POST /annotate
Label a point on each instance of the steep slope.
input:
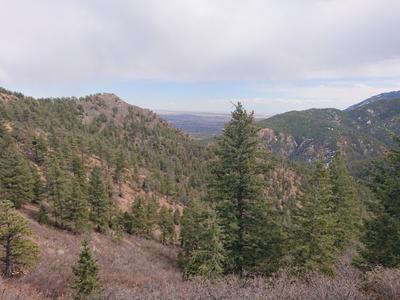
(362, 131)
(101, 129)
(377, 116)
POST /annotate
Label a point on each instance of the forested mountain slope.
(102, 129)
(361, 131)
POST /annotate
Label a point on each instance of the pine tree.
(381, 238)
(312, 238)
(57, 189)
(38, 187)
(166, 225)
(17, 251)
(77, 208)
(144, 214)
(86, 278)
(127, 222)
(39, 148)
(346, 205)
(119, 171)
(201, 237)
(99, 201)
(236, 190)
(15, 176)
(42, 216)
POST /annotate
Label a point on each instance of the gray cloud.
(77, 40)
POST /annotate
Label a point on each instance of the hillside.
(101, 129)
(361, 131)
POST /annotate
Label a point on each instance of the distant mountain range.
(361, 131)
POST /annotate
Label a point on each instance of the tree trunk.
(7, 258)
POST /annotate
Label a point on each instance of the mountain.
(362, 131)
(100, 128)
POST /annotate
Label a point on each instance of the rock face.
(362, 131)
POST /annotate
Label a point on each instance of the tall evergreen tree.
(236, 191)
(346, 205)
(202, 251)
(38, 186)
(144, 214)
(77, 208)
(15, 176)
(381, 238)
(42, 215)
(119, 171)
(17, 250)
(99, 200)
(57, 189)
(166, 225)
(312, 238)
(86, 278)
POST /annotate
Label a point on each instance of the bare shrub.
(383, 283)
(136, 268)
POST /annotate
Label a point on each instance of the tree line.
(238, 229)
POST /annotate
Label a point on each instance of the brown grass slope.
(135, 268)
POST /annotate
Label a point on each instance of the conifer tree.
(127, 222)
(39, 147)
(346, 205)
(15, 176)
(99, 200)
(381, 238)
(77, 208)
(312, 238)
(57, 189)
(119, 171)
(166, 225)
(144, 214)
(38, 187)
(17, 250)
(236, 191)
(42, 216)
(201, 237)
(86, 278)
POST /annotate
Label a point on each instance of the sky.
(202, 55)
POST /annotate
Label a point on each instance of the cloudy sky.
(199, 55)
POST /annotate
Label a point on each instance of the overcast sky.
(274, 55)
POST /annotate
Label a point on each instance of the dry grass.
(139, 269)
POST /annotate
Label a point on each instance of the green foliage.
(124, 139)
(346, 204)
(38, 187)
(144, 216)
(42, 216)
(86, 278)
(381, 238)
(99, 201)
(312, 236)
(361, 133)
(177, 217)
(251, 235)
(16, 176)
(166, 225)
(202, 252)
(57, 189)
(17, 250)
(77, 208)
